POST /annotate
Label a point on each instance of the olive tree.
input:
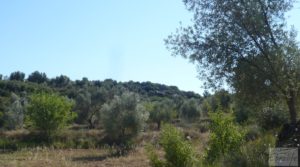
(123, 118)
(37, 77)
(18, 76)
(190, 110)
(245, 44)
(49, 113)
(83, 105)
(60, 81)
(161, 111)
(14, 116)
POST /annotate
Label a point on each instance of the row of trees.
(123, 115)
(126, 114)
(34, 77)
(122, 118)
(88, 96)
(62, 81)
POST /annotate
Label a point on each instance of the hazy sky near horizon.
(122, 40)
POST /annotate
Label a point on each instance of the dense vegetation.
(62, 113)
(244, 46)
(89, 97)
(248, 46)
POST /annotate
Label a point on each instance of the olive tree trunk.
(291, 102)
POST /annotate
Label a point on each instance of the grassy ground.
(93, 156)
(72, 158)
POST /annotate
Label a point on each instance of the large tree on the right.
(245, 44)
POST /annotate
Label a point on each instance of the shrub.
(253, 153)
(49, 113)
(178, 152)
(225, 137)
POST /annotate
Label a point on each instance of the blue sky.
(122, 40)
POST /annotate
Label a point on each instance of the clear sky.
(117, 39)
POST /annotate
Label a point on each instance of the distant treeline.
(88, 96)
(64, 82)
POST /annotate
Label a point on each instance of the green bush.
(225, 137)
(254, 153)
(178, 152)
(49, 113)
(155, 161)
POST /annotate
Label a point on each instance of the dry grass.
(72, 158)
(96, 157)
(14, 133)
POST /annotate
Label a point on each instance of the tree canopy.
(245, 44)
(37, 77)
(123, 118)
(18, 76)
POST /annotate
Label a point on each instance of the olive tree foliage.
(60, 81)
(49, 113)
(224, 100)
(83, 105)
(89, 101)
(242, 113)
(4, 101)
(37, 77)
(18, 76)
(190, 110)
(245, 43)
(221, 100)
(272, 117)
(90, 97)
(100, 96)
(160, 111)
(84, 82)
(14, 116)
(123, 118)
